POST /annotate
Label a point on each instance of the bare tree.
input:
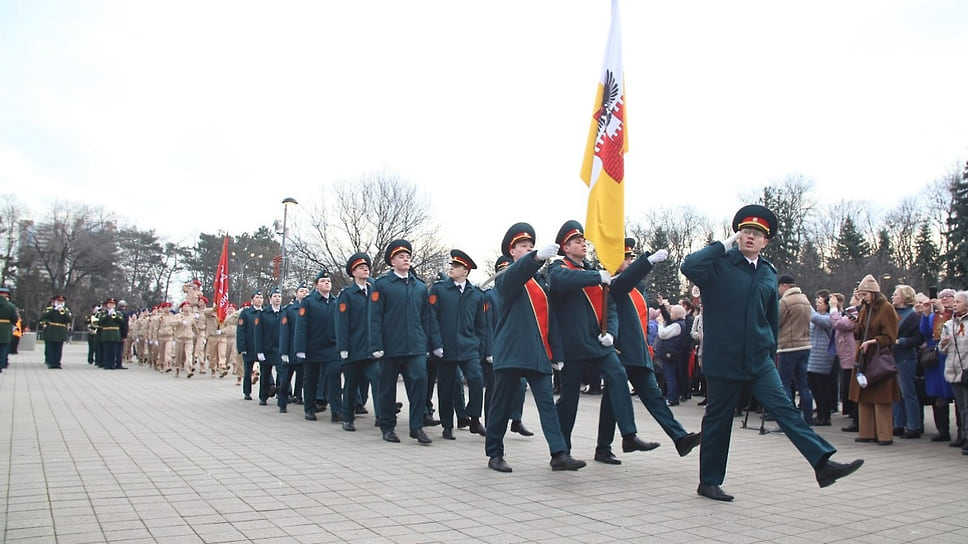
(11, 213)
(365, 215)
(937, 197)
(902, 225)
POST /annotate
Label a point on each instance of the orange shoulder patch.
(433, 299)
(487, 307)
(285, 320)
(302, 311)
(342, 307)
(255, 321)
(375, 296)
(241, 321)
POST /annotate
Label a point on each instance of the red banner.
(222, 282)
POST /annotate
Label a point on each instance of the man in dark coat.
(56, 320)
(353, 340)
(740, 313)
(316, 343)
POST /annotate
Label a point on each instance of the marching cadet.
(110, 321)
(56, 319)
(458, 308)
(287, 348)
(184, 324)
(353, 338)
(215, 347)
(201, 336)
(269, 346)
(576, 300)
(8, 317)
(741, 317)
(633, 351)
(487, 362)
(229, 326)
(523, 347)
(402, 332)
(93, 355)
(248, 335)
(127, 338)
(315, 344)
(166, 337)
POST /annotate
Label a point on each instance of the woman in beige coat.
(876, 328)
(954, 344)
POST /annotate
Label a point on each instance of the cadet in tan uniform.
(201, 336)
(184, 325)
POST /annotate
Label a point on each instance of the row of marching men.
(501, 341)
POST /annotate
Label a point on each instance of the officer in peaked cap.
(524, 346)
(518, 232)
(8, 319)
(577, 301)
(110, 322)
(459, 309)
(287, 348)
(403, 331)
(269, 354)
(248, 335)
(629, 248)
(755, 216)
(353, 341)
(56, 319)
(739, 294)
(356, 260)
(315, 344)
(395, 247)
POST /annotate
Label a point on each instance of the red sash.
(539, 305)
(641, 307)
(593, 293)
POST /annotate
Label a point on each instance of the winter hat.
(869, 284)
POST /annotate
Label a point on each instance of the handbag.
(928, 357)
(881, 365)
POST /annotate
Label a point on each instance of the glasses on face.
(755, 233)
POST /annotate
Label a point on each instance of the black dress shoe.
(884, 442)
(713, 492)
(360, 410)
(959, 443)
(941, 437)
(911, 434)
(898, 431)
(476, 427)
(348, 426)
(463, 422)
(518, 427)
(262, 402)
(852, 428)
(336, 418)
(821, 423)
(607, 457)
(421, 436)
(858, 439)
(320, 407)
(563, 461)
(448, 434)
(391, 436)
(282, 410)
(429, 421)
(310, 416)
(830, 471)
(634, 443)
(498, 464)
(685, 444)
(247, 397)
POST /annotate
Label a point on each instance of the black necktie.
(753, 266)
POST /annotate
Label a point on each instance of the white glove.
(344, 355)
(301, 354)
(439, 352)
(606, 277)
(606, 340)
(547, 252)
(730, 240)
(558, 365)
(489, 358)
(261, 357)
(218, 332)
(658, 256)
(285, 358)
(377, 354)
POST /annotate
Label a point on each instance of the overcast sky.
(199, 116)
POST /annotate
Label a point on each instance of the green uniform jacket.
(740, 312)
(8, 318)
(109, 326)
(55, 323)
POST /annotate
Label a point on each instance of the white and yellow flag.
(603, 168)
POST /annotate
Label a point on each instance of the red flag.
(222, 282)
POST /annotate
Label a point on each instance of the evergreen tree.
(851, 247)
(956, 259)
(927, 263)
(664, 279)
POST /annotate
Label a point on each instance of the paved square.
(137, 456)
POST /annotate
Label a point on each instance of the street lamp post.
(252, 257)
(285, 217)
